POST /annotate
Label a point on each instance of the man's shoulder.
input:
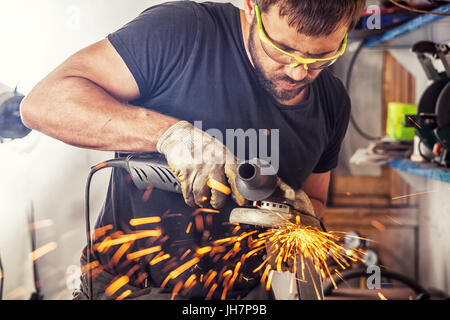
(198, 16)
(334, 99)
(332, 83)
(333, 90)
(189, 7)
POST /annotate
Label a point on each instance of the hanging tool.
(432, 122)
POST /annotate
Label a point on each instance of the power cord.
(36, 295)
(113, 163)
(2, 277)
(396, 3)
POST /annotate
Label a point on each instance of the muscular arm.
(316, 187)
(82, 102)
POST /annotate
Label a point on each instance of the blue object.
(387, 19)
(427, 170)
(408, 27)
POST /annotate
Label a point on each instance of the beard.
(271, 83)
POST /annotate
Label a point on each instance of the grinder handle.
(151, 170)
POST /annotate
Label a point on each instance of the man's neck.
(245, 27)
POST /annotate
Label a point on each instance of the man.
(260, 68)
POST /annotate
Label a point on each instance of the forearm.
(319, 208)
(78, 112)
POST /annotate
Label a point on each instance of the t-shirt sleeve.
(157, 45)
(329, 158)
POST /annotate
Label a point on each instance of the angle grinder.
(269, 209)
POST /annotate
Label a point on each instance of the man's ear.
(249, 9)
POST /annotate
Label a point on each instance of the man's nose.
(298, 73)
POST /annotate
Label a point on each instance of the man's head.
(302, 28)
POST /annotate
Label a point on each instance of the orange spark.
(225, 240)
(269, 281)
(41, 224)
(120, 252)
(124, 295)
(211, 291)
(382, 297)
(185, 254)
(175, 273)
(235, 273)
(143, 252)
(99, 232)
(413, 194)
(189, 281)
(378, 225)
(203, 250)
(38, 253)
(219, 186)
(410, 118)
(108, 242)
(159, 259)
(236, 229)
(147, 220)
(207, 210)
(210, 278)
(265, 273)
(176, 289)
(188, 229)
(116, 285)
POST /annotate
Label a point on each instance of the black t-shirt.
(190, 62)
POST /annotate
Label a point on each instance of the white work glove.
(195, 157)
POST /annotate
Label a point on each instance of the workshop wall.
(433, 210)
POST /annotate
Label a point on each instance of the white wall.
(434, 210)
(37, 35)
(433, 232)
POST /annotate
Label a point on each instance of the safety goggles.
(286, 58)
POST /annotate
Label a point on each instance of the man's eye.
(288, 50)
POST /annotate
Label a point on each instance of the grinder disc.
(259, 217)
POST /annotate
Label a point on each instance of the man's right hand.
(202, 164)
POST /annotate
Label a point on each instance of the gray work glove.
(200, 161)
(302, 206)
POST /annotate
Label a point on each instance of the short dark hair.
(317, 17)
